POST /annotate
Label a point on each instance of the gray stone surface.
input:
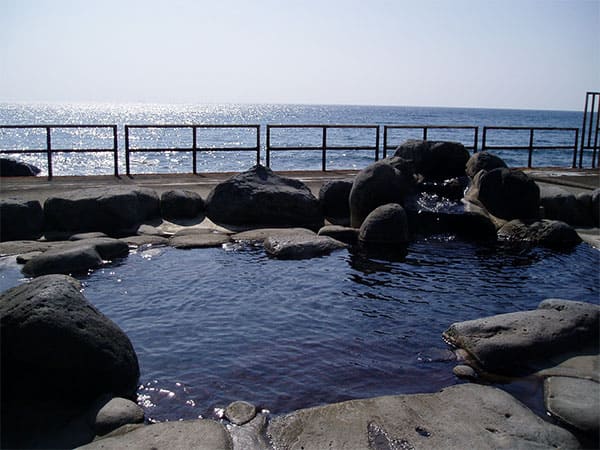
(89, 235)
(198, 238)
(435, 160)
(560, 204)
(20, 219)
(574, 401)
(250, 436)
(385, 225)
(300, 246)
(261, 197)
(240, 412)
(483, 161)
(463, 416)
(178, 203)
(49, 331)
(463, 371)
(340, 233)
(190, 434)
(17, 247)
(510, 343)
(334, 197)
(580, 366)
(76, 256)
(110, 210)
(505, 193)
(115, 413)
(547, 233)
(386, 181)
(260, 234)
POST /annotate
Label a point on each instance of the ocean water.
(227, 324)
(213, 160)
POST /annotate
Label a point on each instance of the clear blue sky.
(483, 53)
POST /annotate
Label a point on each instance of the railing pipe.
(49, 151)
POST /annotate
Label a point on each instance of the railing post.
(575, 148)
(194, 150)
(385, 128)
(257, 145)
(425, 133)
(127, 167)
(49, 152)
(324, 151)
(377, 144)
(475, 140)
(267, 145)
(530, 157)
(483, 139)
(116, 149)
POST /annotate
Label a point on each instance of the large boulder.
(546, 233)
(458, 417)
(20, 219)
(111, 210)
(386, 181)
(12, 168)
(180, 204)
(57, 345)
(505, 193)
(510, 343)
(596, 207)
(385, 225)
(260, 197)
(334, 197)
(560, 204)
(76, 256)
(435, 160)
(483, 161)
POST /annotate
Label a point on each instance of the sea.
(160, 143)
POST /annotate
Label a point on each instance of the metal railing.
(425, 129)
(531, 145)
(195, 148)
(50, 150)
(325, 146)
(587, 130)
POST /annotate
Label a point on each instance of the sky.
(531, 54)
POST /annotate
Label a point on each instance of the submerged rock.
(548, 233)
(240, 412)
(20, 220)
(510, 343)
(260, 197)
(434, 160)
(198, 238)
(461, 416)
(301, 246)
(260, 234)
(386, 181)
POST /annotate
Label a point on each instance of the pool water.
(211, 326)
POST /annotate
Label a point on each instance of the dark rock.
(260, 197)
(462, 416)
(383, 182)
(510, 343)
(596, 206)
(26, 257)
(189, 434)
(76, 256)
(300, 246)
(505, 193)
(436, 161)
(483, 161)
(260, 234)
(559, 204)
(18, 247)
(180, 204)
(145, 239)
(340, 233)
(198, 238)
(90, 235)
(574, 401)
(334, 197)
(385, 225)
(12, 168)
(546, 233)
(50, 330)
(20, 220)
(584, 205)
(240, 412)
(110, 210)
(110, 413)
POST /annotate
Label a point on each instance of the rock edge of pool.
(425, 188)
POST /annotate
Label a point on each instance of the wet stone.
(465, 372)
(240, 412)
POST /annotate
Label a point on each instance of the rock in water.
(547, 233)
(385, 225)
(436, 161)
(260, 197)
(55, 344)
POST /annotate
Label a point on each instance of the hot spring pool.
(211, 326)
